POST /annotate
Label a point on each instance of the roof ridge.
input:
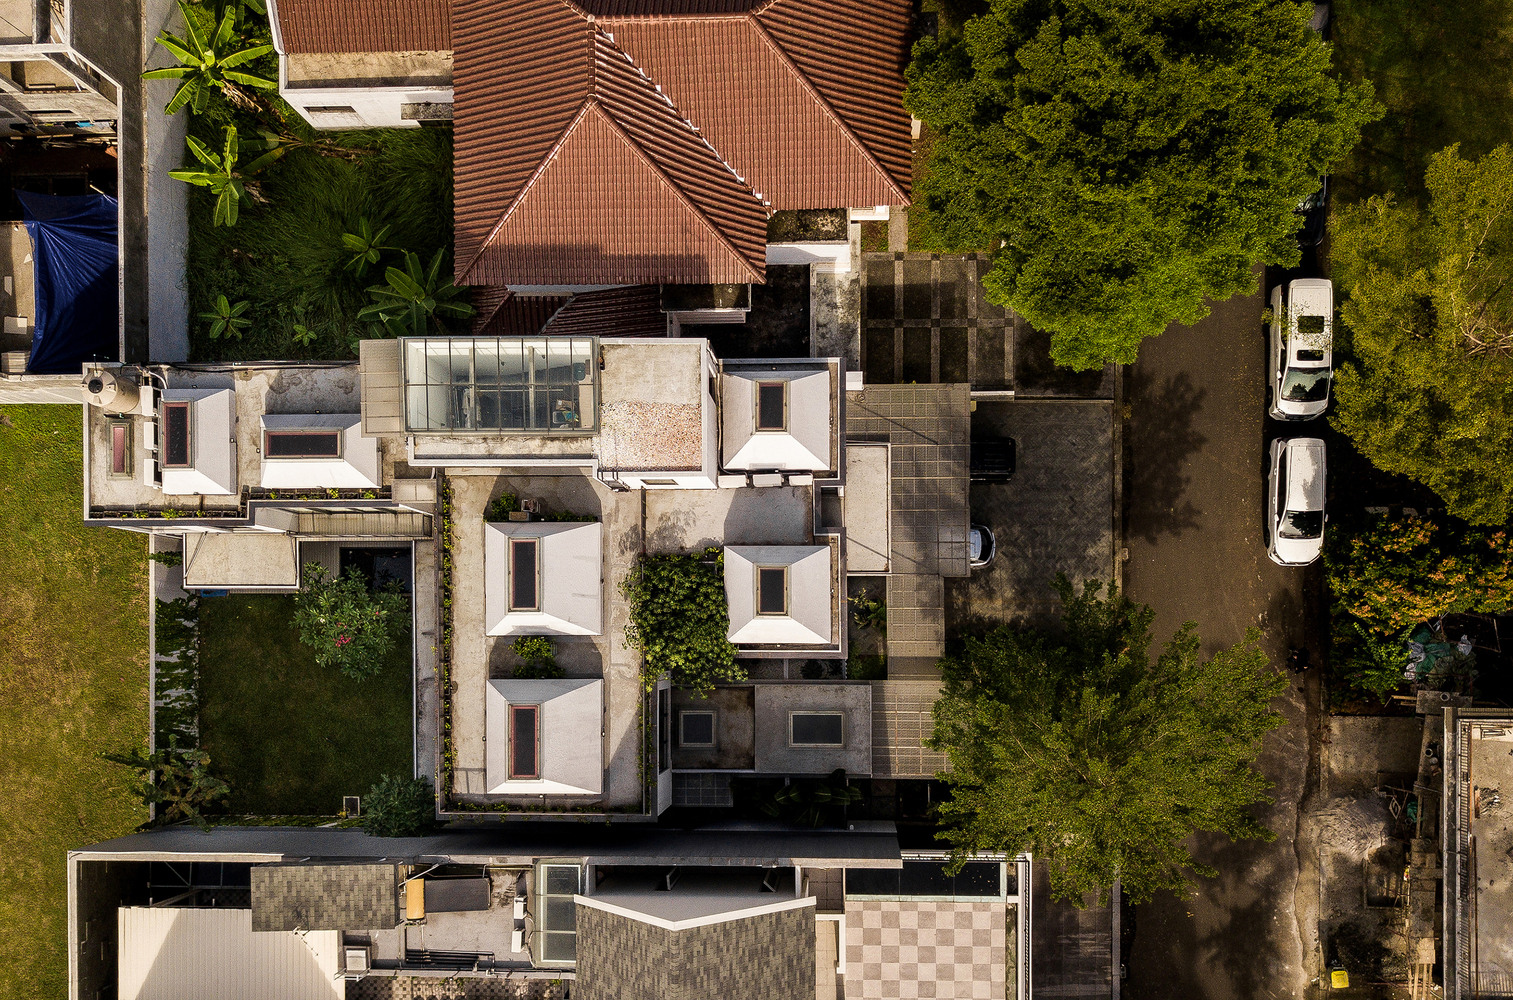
(821, 100)
(525, 188)
(676, 188)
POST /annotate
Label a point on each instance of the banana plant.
(413, 302)
(368, 246)
(207, 62)
(226, 319)
(223, 176)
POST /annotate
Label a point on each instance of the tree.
(413, 302)
(346, 625)
(540, 656)
(207, 62)
(1426, 385)
(399, 807)
(1083, 750)
(176, 780)
(223, 176)
(1400, 572)
(679, 620)
(1126, 160)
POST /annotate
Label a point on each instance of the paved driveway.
(1055, 516)
(1195, 464)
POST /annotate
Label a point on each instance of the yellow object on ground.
(1339, 979)
(415, 899)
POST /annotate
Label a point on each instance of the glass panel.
(523, 590)
(511, 363)
(486, 362)
(415, 362)
(541, 409)
(561, 879)
(176, 434)
(583, 355)
(418, 413)
(559, 947)
(816, 730)
(523, 741)
(772, 591)
(462, 361)
(536, 350)
(303, 444)
(564, 403)
(771, 409)
(560, 365)
(512, 409)
(561, 913)
(438, 362)
(698, 729)
(439, 408)
(118, 456)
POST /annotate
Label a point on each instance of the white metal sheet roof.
(569, 578)
(804, 446)
(212, 442)
(170, 953)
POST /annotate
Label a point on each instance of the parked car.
(1315, 212)
(1302, 348)
(981, 546)
(992, 460)
(1295, 501)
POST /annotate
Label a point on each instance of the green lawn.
(289, 736)
(1444, 72)
(73, 685)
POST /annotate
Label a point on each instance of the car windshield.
(1304, 385)
(1302, 524)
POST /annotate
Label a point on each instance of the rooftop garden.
(291, 229)
(288, 734)
(73, 684)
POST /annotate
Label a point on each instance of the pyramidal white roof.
(569, 751)
(803, 444)
(806, 598)
(354, 466)
(566, 595)
(212, 444)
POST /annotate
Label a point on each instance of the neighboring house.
(629, 913)
(604, 143)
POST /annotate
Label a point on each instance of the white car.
(1295, 501)
(1302, 348)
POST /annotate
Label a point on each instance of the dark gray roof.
(769, 956)
(317, 897)
(869, 844)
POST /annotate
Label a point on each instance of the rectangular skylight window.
(176, 453)
(536, 384)
(302, 444)
(772, 590)
(816, 729)
(556, 914)
(525, 740)
(120, 449)
(696, 729)
(772, 406)
(525, 595)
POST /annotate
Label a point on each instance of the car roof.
(1305, 474)
(1311, 296)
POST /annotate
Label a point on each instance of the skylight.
(302, 444)
(772, 406)
(537, 384)
(772, 590)
(176, 453)
(524, 593)
(525, 742)
(816, 729)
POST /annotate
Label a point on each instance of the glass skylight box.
(539, 385)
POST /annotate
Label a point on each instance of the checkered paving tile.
(915, 948)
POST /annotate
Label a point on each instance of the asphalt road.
(1196, 434)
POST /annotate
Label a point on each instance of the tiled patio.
(918, 948)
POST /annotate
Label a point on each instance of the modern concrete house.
(620, 912)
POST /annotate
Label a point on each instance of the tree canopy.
(679, 620)
(1085, 751)
(1127, 159)
(1426, 388)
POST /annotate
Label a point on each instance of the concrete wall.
(774, 702)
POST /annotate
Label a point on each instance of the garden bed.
(289, 736)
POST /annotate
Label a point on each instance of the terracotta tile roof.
(809, 114)
(572, 169)
(617, 312)
(502, 313)
(320, 26)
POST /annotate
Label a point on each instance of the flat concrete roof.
(261, 559)
(865, 506)
(654, 400)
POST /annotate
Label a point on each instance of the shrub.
(679, 620)
(168, 558)
(1375, 664)
(177, 781)
(540, 656)
(347, 626)
(1395, 574)
(869, 612)
(399, 807)
(501, 507)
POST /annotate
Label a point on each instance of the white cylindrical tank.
(110, 392)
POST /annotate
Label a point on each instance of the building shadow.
(1160, 438)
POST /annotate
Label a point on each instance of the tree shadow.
(1160, 438)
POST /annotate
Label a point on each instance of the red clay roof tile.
(330, 26)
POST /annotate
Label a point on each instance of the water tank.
(110, 392)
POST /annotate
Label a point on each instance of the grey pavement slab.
(1057, 515)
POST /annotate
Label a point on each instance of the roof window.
(525, 595)
(176, 429)
(772, 406)
(536, 384)
(816, 729)
(525, 742)
(302, 444)
(695, 729)
(772, 590)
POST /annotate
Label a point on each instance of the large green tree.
(1427, 387)
(1082, 749)
(1127, 159)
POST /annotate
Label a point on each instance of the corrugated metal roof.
(322, 26)
(188, 954)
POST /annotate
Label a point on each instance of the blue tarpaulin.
(76, 255)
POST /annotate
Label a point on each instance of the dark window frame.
(535, 714)
(765, 427)
(187, 408)
(760, 590)
(269, 434)
(514, 573)
(685, 713)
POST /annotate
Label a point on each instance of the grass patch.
(1444, 72)
(291, 737)
(73, 685)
